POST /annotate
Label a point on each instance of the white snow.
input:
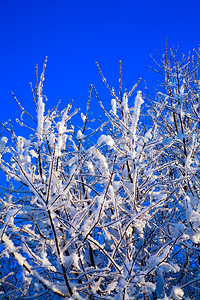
(83, 117)
(177, 293)
(114, 106)
(80, 136)
(3, 142)
(40, 114)
(135, 117)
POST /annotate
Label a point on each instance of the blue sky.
(76, 34)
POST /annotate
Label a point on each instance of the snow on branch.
(109, 210)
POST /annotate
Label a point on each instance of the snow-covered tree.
(109, 210)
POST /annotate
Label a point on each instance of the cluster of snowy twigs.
(109, 212)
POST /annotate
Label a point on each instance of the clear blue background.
(76, 34)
